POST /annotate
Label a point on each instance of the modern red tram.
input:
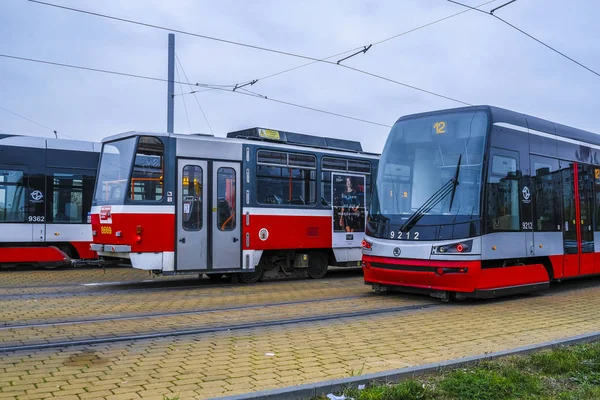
(482, 201)
(46, 188)
(258, 203)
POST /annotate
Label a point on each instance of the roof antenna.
(55, 134)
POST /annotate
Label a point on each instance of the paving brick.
(212, 365)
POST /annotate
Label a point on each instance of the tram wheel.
(251, 277)
(317, 265)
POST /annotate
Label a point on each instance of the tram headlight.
(453, 248)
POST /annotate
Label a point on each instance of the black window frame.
(308, 175)
(130, 194)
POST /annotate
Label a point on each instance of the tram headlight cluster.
(453, 248)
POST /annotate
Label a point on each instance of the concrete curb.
(308, 391)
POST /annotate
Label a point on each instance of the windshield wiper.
(455, 182)
(448, 188)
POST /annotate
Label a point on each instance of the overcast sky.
(471, 57)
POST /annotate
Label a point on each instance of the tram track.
(218, 328)
(148, 285)
(179, 313)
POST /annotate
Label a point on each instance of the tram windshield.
(420, 158)
(130, 171)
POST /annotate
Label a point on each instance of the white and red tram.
(256, 203)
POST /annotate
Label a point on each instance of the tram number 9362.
(36, 218)
(401, 235)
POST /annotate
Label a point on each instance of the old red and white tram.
(256, 203)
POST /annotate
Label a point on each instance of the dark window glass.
(113, 172)
(368, 191)
(272, 157)
(334, 164)
(226, 199)
(302, 160)
(13, 195)
(147, 177)
(502, 165)
(547, 202)
(191, 194)
(279, 185)
(71, 197)
(503, 194)
(363, 167)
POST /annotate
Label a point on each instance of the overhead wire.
(207, 86)
(54, 131)
(254, 94)
(194, 93)
(183, 99)
(375, 43)
(266, 49)
(491, 13)
(105, 71)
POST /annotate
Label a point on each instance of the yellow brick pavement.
(68, 276)
(27, 309)
(164, 324)
(202, 366)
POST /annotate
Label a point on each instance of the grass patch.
(563, 373)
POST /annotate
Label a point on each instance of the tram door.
(578, 233)
(226, 210)
(192, 229)
(585, 188)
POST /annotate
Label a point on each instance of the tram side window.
(547, 203)
(71, 197)
(292, 184)
(147, 177)
(503, 194)
(12, 196)
(191, 195)
(226, 198)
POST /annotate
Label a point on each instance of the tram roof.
(38, 142)
(519, 120)
(292, 140)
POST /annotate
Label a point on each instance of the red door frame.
(580, 263)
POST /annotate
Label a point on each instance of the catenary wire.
(54, 131)
(528, 35)
(105, 71)
(266, 49)
(183, 99)
(194, 93)
(220, 87)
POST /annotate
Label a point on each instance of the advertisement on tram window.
(348, 200)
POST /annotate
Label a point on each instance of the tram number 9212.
(400, 235)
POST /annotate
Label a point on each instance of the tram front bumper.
(110, 248)
(454, 276)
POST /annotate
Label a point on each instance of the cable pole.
(171, 84)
